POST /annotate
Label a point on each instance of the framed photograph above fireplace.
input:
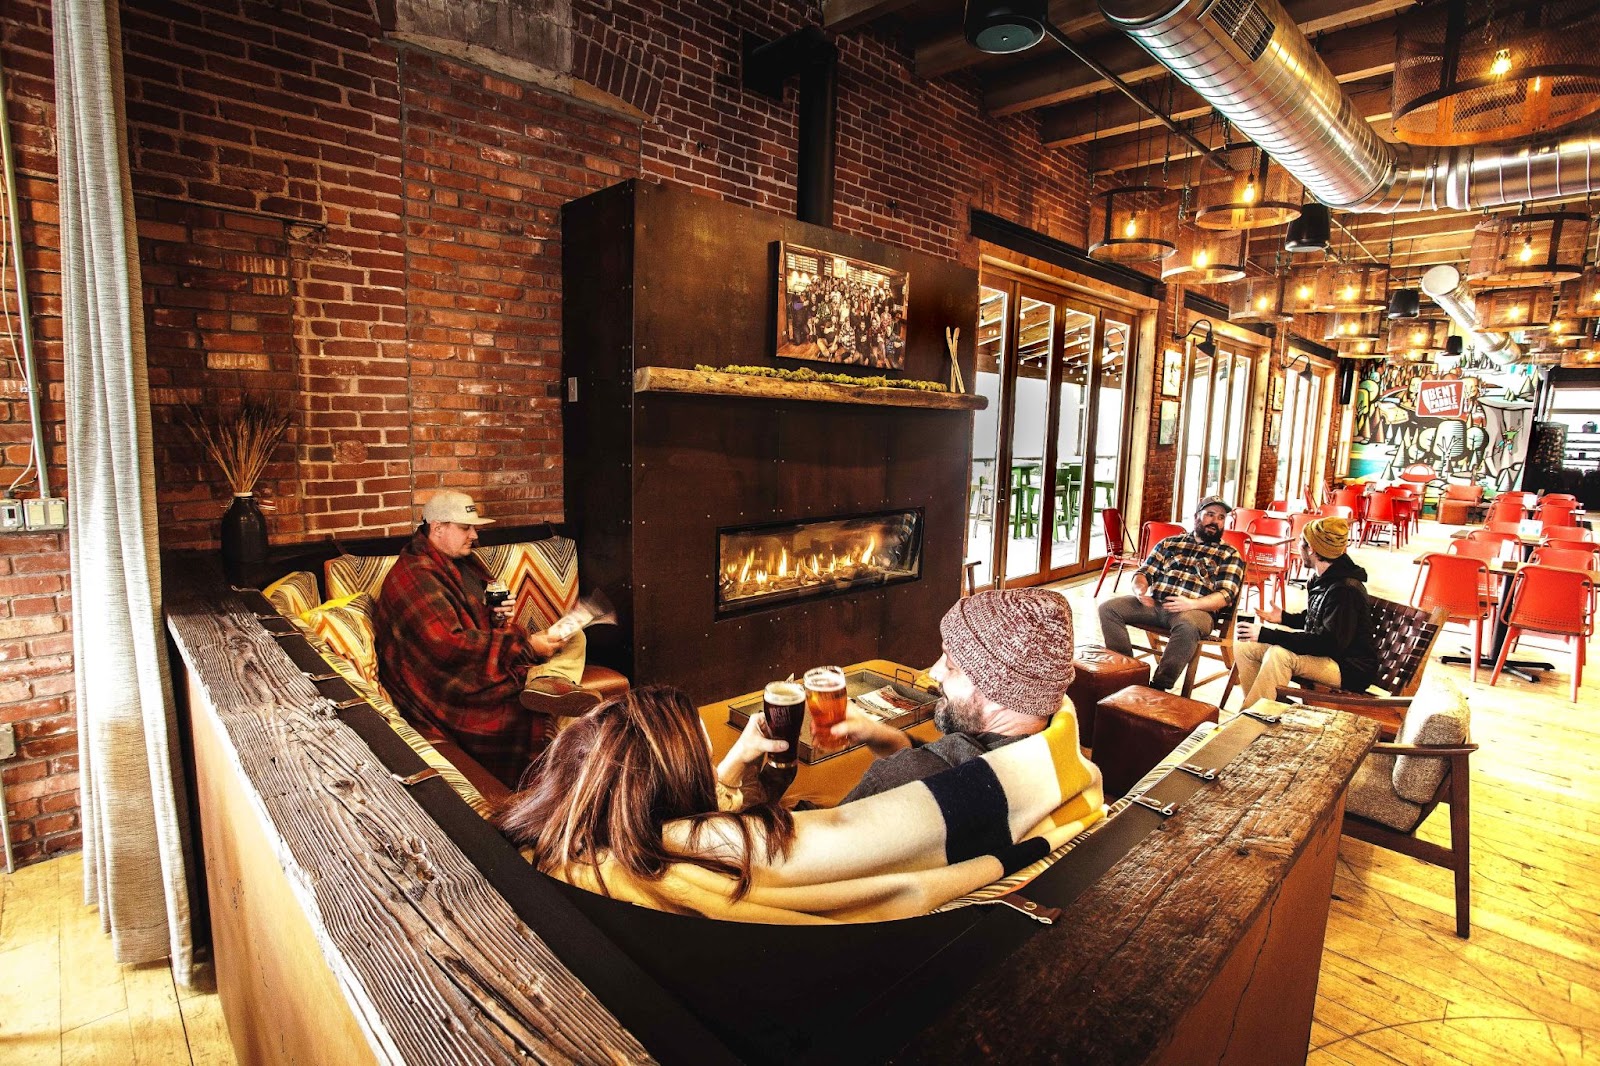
(834, 309)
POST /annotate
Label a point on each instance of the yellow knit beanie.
(1328, 537)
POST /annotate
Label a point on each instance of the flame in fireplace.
(768, 566)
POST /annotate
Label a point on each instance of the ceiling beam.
(840, 16)
(1056, 79)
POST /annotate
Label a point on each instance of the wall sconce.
(1208, 346)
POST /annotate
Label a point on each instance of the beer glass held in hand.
(785, 705)
(825, 699)
(495, 595)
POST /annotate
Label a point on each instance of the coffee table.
(827, 782)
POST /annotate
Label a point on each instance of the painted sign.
(1440, 399)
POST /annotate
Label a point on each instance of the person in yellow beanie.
(1331, 642)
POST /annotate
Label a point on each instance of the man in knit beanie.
(1006, 666)
(1330, 642)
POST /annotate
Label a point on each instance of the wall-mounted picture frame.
(1277, 395)
(1274, 424)
(834, 309)
(1167, 427)
(1172, 373)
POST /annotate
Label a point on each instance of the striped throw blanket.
(894, 855)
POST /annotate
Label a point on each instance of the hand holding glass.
(784, 703)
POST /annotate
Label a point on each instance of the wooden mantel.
(753, 386)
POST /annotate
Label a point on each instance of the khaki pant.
(1263, 668)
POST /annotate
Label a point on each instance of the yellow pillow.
(345, 625)
(293, 594)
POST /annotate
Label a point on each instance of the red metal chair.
(1150, 534)
(1555, 515)
(1336, 510)
(1121, 553)
(1575, 534)
(1490, 551)
(1506, 507)
(1556, 602)
(1461, 586)
(1353, 497)
(1297, 526)
(1509, 545)
(1380, 516)
(1241, 517)
(1512, 526)
(1264, 563)
(1565, 558)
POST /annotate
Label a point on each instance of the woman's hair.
(614, 777)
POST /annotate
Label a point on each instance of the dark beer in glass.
(785, 705)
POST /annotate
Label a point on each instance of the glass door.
(1047, 453)
(1215, 417)
(1303, 430)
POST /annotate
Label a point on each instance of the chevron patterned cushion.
(542, 576)
(351, 574)
(293, 595)
(345, 625)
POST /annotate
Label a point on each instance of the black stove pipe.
(809, 53)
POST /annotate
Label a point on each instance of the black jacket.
(1337, 624)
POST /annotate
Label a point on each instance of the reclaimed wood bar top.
(754, 386)
(438, 967)
(434, 963)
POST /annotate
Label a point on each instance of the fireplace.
(748, 534)
(778, 563)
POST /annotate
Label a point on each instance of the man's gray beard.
(950, 717)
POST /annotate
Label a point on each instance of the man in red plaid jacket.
(449, 660)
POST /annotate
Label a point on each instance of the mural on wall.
(1457, 424)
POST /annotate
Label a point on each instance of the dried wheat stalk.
(240, 441)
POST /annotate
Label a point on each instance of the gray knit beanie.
(1015, 645)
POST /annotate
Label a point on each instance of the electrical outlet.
(10, 515)
(49, 512)
(8, 741)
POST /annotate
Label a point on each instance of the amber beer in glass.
(785, 705)
(825, 700)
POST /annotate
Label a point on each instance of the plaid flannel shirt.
(1184, 565)
(443, 661)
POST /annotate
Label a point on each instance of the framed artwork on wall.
(1274, 423)
(1277, 395)
(834, 309)
(1172, 373)
(1167, 427)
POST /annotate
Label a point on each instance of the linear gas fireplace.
(778, 563)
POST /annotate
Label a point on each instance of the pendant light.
(1533, 248)
(1515, 309)
(1309, 232)
(1131, 225)
(1414, 340)
(1206, 256)
(1006, 26)
(1258, 194)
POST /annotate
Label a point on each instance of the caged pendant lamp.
(1131, 224)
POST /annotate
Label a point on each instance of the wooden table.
(827, 782)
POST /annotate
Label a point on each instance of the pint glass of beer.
(825, 699)
(785, 705)
(495, 594)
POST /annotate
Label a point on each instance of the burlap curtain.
(135, 825)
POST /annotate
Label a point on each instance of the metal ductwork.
(1249, 60)
(1445, 286)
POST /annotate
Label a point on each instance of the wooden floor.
(64, 999)
(1397, 986)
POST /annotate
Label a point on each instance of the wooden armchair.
(1398, 786)
(1404, 637)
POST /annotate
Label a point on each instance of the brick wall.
(370, 234)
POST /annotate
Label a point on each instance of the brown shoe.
(558, 696)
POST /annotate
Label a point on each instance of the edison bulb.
(1201, 259)
(1349, 292)
(1250, 193)
(1261, 303)
(1527, 251)
(1130, 228)
(1502, 63)
(1304, 292)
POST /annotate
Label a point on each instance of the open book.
(590, 610)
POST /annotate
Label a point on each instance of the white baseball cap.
(447, 505)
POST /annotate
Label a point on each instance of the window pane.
(1071, 431)
(1027, 482)
(1114, 360)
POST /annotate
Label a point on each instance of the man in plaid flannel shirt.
(450, 661)
(1188, 580)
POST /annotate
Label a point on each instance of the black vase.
(244, 540)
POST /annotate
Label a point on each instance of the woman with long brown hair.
(627, 804)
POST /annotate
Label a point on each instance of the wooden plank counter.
(349, 927)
